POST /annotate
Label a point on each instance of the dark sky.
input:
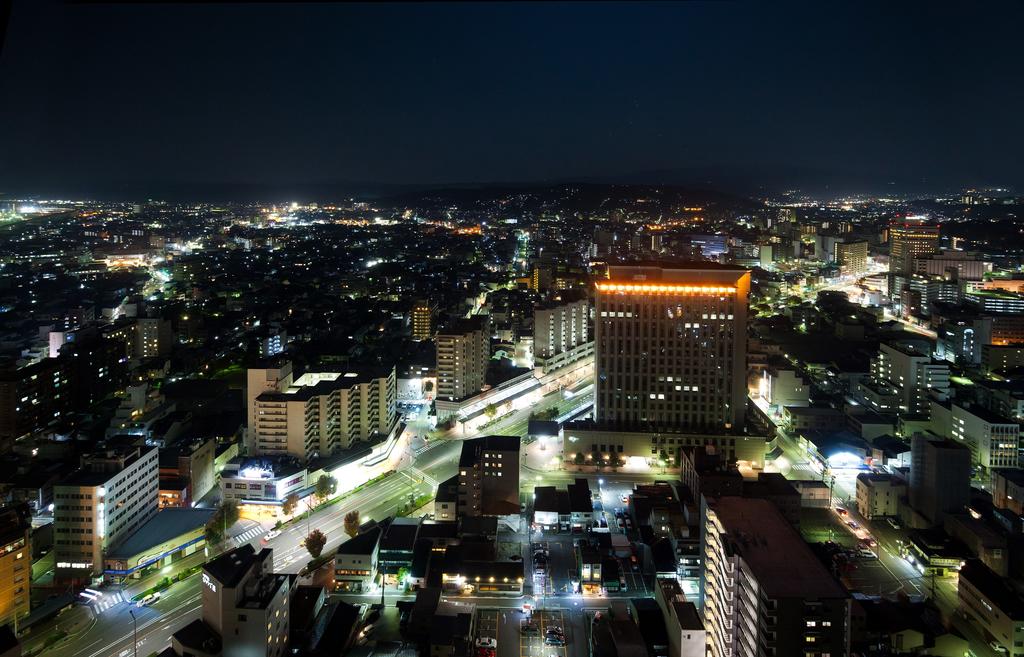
(101, 95)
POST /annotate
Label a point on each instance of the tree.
(579, 459)
(428, 386)
(315, 543)
(290, 504)
(325, 487)
(491, 411)
(231, 514)
(352, 523)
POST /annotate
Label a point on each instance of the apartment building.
(763, 590)
(463, 353)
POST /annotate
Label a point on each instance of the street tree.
(315, 542)
(290, 504)
(352, 523)
(325, 487)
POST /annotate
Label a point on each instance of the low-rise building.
(355, 563)
(990, 604)
(879, 495)
(1008, 489)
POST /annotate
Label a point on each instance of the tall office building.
(321, 413)
(671, 347)
(940, 476)
(560, 325)
(245, 608)
(463, 352)
(422, 320)
(115, 492)
(489, 476)
(909, 240)
(15, 562)
(763, 590)
(851, 256)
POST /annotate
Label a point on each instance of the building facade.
(489, 476)
(114, 493)
(670, 347)
(463, 353)
(321, 413)
(910, 240)
(15, 563)
(763, 591)
(560, 325)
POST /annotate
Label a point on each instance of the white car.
(486, 642)
(272, 534)
(148, 600)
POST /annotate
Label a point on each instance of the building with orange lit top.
(671, 347)
(909, 240)
(670, 366)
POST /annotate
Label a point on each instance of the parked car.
(529, 629)
(487, 642)
(554, 640)
(865, 553)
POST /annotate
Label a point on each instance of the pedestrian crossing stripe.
(247, 535)
(108, 600)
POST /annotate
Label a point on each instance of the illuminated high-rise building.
(909, 240)
(670, 345)
(422, 320)
(463, 352)
(852, 257)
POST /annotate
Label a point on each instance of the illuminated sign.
(209, 583)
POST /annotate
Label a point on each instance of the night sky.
(97, 96)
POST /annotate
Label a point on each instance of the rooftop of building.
(104, 464)
(230, 567)
(364, 543)
(872, 478)
(985, 415)
(472, 449)
(400, 536)
(163, 527)
(993, 587)
(263, 591)
(317, 384)
(463, 325)
(199, 637)
(776, 554)
(1012, 475)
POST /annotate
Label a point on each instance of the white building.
(321, 413)
(993, 439)
(463, 353)
(560, 326)
(114, 493)
(878, 495)
(913, 374)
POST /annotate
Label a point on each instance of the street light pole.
(135, 633)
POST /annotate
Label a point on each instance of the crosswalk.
(247, 535)
(424, 476)
(106, 601)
